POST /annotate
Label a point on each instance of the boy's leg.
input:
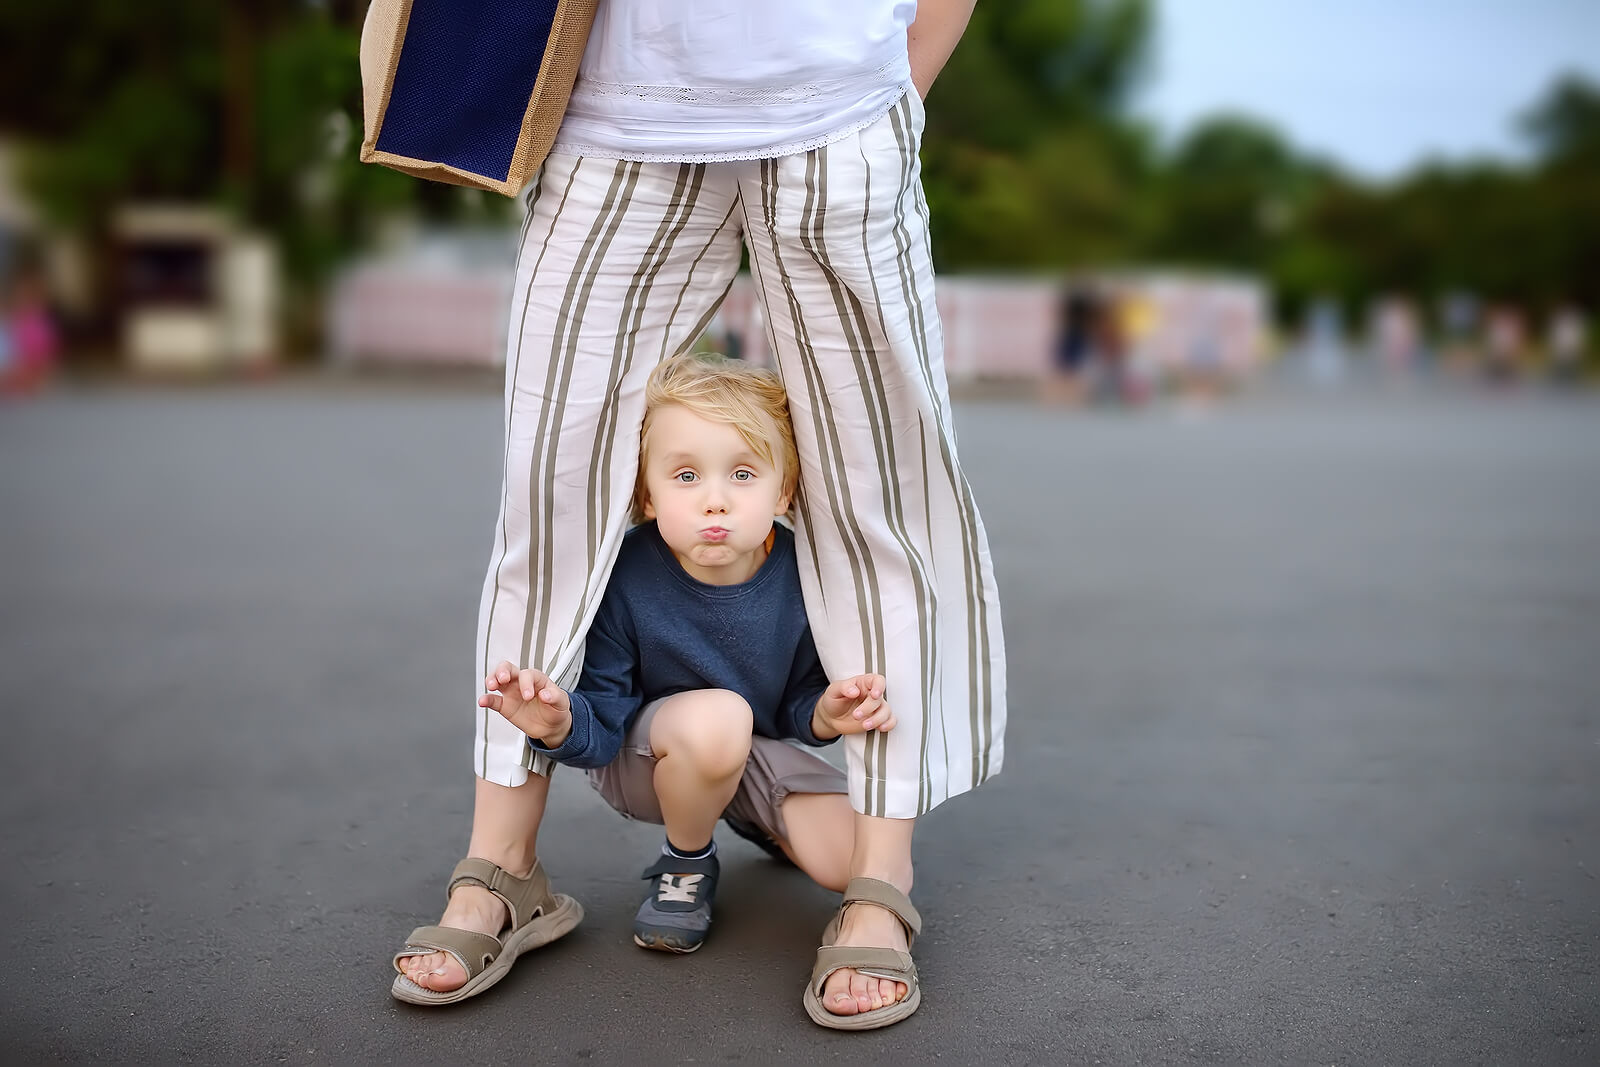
(894, 561)
(792, 798)
(701, 741)
(620, 265)
(819, 829)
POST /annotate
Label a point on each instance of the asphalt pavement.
(1303, 763)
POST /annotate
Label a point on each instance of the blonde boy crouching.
(700, 665)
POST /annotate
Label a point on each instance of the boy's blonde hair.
(750, 399)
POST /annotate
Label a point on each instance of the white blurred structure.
(444, 299)
(439, 299)
(195, 291)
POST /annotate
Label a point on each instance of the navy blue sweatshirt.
(660, 631)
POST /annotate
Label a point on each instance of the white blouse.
(703, 80)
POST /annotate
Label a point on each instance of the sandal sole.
(536, 934)
(887, 1015)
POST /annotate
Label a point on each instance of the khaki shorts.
(774, 770)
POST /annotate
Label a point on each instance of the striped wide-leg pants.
(622, 264)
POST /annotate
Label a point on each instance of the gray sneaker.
(676, 916)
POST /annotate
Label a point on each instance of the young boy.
(700, 665)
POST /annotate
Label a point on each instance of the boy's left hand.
(852, 706)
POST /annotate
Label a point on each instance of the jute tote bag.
(469, 92)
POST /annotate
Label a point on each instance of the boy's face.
(712, 497)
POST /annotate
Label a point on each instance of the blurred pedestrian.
(1078, 312)
(1505, 339)
(1398, 337)
(1116, 378)
(1567, 344)
(1458, 321)
(32, 341)
(1326, 361)
(7, 349)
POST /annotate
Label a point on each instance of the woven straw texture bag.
(469, 92)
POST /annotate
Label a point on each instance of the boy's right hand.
(530, 701)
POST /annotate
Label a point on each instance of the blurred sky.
(1376, 84)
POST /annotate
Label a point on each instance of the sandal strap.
(473, 951)
(887, 897)
(525, 898)
(877, 962)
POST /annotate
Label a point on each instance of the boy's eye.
(684, 476)
(743, 476)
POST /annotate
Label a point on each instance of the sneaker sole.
(666, 943)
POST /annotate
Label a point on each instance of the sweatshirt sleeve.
(807, 681)
(607, 696)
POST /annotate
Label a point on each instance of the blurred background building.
(1128, 196)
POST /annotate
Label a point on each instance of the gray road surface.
(1303, 765)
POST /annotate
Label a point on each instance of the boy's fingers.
(491, 700)
(531, 681)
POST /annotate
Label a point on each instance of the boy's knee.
(710, 728)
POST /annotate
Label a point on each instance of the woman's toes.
(436, 971)
(837, 995)
(445, 977)
(840, 1000)
(866, 991)
(849, 993)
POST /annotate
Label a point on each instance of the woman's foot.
(864, 925)
(472, 908)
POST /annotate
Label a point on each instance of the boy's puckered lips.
(715, 533)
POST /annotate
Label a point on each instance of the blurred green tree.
(1031, 160)
(1529, 235)
(1564, 126)
(252, 106)
(1026, 162)
(1227, 194)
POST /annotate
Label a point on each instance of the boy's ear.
(783, 504)
(649, 509)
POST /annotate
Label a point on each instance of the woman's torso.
(733, 79)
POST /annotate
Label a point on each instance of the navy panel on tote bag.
(467, 69)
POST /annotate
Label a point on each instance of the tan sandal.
(536, 917)
(874, 962)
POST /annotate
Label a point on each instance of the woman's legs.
(833, 844)
(621, 264)
(505, 831)
(882, 850)
(894, 561)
